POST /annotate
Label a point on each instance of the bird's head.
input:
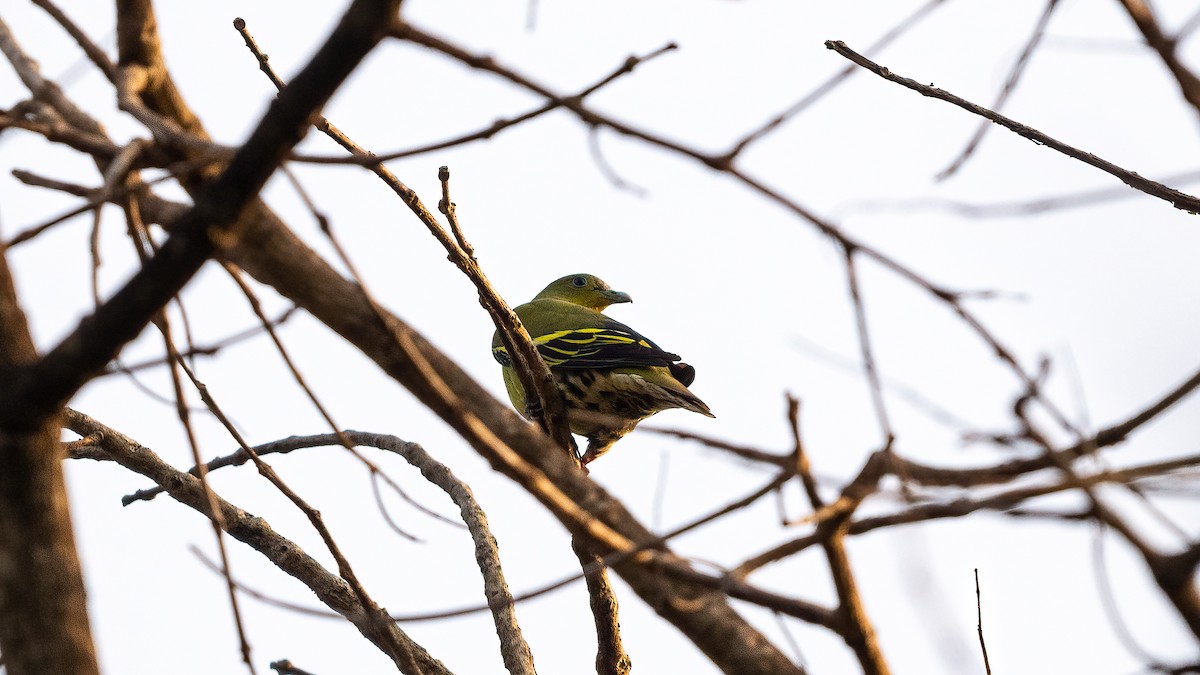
(585, 290)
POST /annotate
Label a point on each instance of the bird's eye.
(579, 282)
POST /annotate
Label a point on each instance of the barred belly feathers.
(609, 375)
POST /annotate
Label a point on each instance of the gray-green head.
(585, 290)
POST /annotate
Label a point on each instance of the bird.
(610, 376)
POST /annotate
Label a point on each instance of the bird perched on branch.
(610, 376)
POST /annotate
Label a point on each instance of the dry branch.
(725, 163)
(44, 624)
(518, 658)
(185, 488)
(959, 505)
(855, 627)
(696, 602)
(1177, 199)
(41, 390)
(1167, 48)
(1010, 84)
(272, 254)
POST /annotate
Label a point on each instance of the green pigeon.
(610, 376)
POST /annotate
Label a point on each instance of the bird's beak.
(616, 296)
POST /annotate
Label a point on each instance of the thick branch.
(274, 256)
(269, 252)
(43, 388)
(138, 46)
(533, 373)
(43, 609)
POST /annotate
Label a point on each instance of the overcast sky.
(752, 296)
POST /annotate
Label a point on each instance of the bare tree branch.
(93, 52)
(832, 83)
(611, 658)
(856, 628)
(43, 609)
(959, 506)
(1177, 199)
(724, 163)
(211, 223)
(1014, 208)
(333, 591)
(518, 658)
(1143, 18)
(868, 357)
(987, 665)
(691, 595)
(1010, 85)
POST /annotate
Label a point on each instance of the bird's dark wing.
(614, 346)
(600, 348)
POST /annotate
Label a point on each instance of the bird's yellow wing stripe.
(562, 346)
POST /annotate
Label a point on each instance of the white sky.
(740, 288)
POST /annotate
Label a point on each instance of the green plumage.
(609, 375)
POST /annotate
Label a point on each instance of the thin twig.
(897, 388)
(216, 518)
(722, 163)
(1167, 49)
(798, 609)
(109, 193)
(1176, 198)
(93, 51)
(1013, 209)
(482, 134)
(211, 349)
(1010, 85)
(832, 83)
(447, 208)
(979, 624)
(1173, 574)
(959, 506)
(801, 465)
(386, 514)
(255, 532)
(535, 376)
(607, 169)
(856, 628)
(514, 650)
(1185, 29)
(868, 357)
(1109, 602)
(118, 172)
(398, 649)
(741, 451)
